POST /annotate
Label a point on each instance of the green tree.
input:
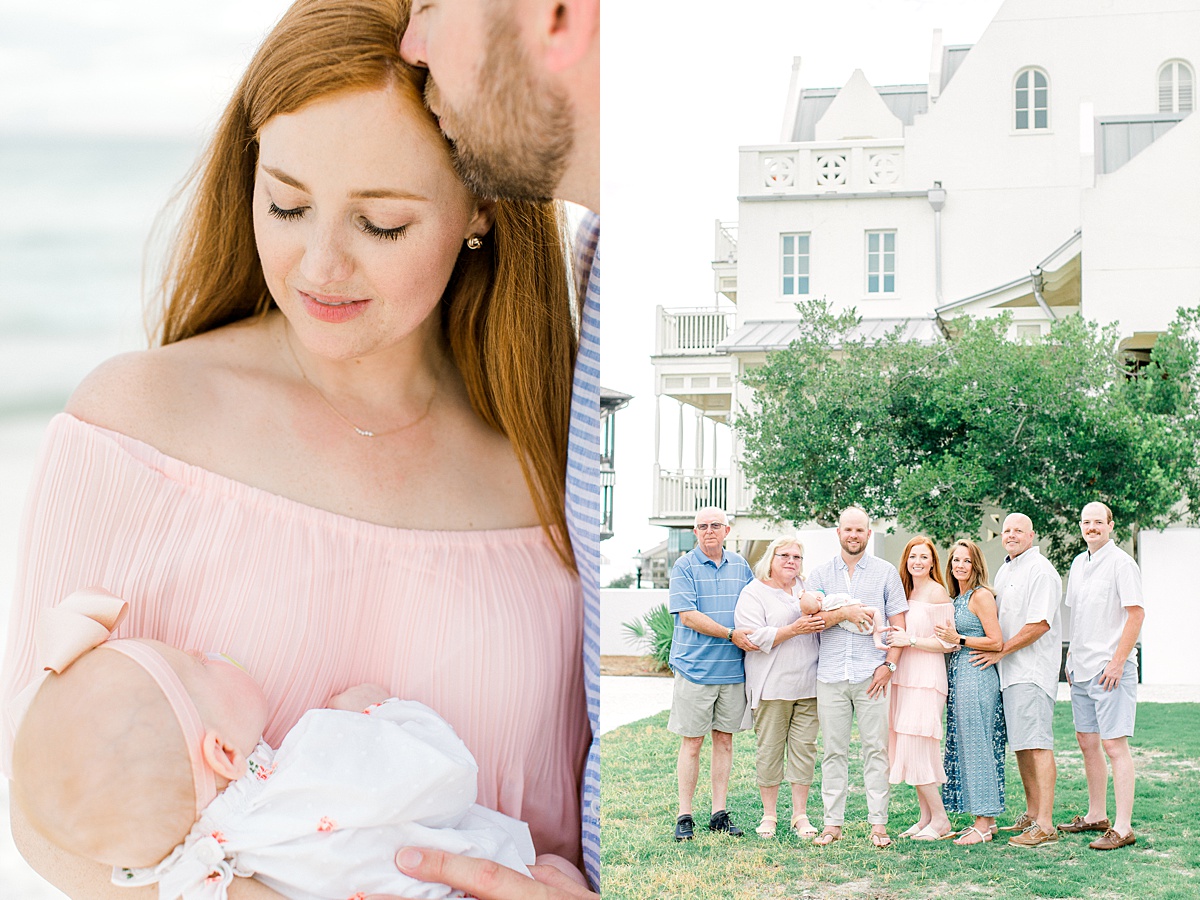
(929, 434)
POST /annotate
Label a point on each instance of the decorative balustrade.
(691, 331)
(681, 493)
(841, 166)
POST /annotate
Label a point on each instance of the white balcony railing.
(684, 332)
(725, 245)
(681, 493)
(839, 167)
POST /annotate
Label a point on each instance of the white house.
(1050, 168)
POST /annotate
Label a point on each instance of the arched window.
(1031, 100)
(1176, 87)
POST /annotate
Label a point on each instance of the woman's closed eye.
(286, 214)
(384, 234)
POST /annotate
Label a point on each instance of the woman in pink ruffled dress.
(918, 695)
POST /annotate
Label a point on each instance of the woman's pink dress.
(918, 699)
(482, 626)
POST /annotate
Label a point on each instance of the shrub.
(654, 630)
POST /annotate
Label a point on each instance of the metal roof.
(906, 101)
(777, 334)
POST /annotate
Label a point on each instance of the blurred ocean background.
(76, 259)
(103, 110)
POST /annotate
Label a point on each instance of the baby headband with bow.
(84, 621)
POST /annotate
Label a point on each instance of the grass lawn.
(641, 859)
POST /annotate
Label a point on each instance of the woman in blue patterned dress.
(975, 735)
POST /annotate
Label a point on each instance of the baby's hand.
(358, 698)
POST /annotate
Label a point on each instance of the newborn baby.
(149, 759)
(811, 603)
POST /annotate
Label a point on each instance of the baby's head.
(117, 755)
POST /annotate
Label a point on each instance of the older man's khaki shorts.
(697, 709)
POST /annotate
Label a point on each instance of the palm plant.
(654, 630)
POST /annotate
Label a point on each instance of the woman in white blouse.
(781, 681)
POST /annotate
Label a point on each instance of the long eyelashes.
(285, 214)
(384, 234)
(368, 227)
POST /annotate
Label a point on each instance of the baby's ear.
(224, 758)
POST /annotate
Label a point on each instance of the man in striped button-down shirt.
(852, 675)
(516, 87)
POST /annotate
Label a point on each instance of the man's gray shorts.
(697, 709)
(1109, 714)
(1029, 717)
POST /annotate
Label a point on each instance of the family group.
(904, 652)
(361, 459)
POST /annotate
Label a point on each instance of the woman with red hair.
(918, 694)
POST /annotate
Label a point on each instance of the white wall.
(1141, 236)
(837, 255)
(1169, 585)
(618, 606)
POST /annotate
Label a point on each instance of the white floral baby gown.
(323, 817)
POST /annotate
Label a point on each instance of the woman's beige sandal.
(802, 827)
(766, 828)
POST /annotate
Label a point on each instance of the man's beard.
(513, 139)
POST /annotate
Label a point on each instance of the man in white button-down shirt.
(1104, 592)
(1027, 594)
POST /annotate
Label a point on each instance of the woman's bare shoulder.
(937, 594)
(152, 394)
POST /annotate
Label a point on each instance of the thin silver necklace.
(361, 432)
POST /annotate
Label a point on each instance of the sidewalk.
(625, 699)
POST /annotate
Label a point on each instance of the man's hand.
(985, 659)
(878, 685)
(741, 637)
(860, 617)
(1110, 678)
(486, 880)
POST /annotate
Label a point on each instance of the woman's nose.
(326, 260)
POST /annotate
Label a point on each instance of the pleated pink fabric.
(483, 626)
(918, 700)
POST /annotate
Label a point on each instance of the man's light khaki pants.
(837, 705)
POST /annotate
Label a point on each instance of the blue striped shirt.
(846, 656)
(699, 583)
(583, 502)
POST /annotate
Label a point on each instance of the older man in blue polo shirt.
(707, 655)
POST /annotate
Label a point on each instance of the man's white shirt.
(1027, 591)
(1100, 588)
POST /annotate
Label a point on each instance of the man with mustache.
(1027, 593)
(853, 674)
(515, 85)
(1104, 592)
(707, 657)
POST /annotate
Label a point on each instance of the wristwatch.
(962, 641)
(729, 637)
(891, 666)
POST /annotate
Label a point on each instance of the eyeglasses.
(791, 556)
(710, 526)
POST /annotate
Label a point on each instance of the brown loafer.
(1024, 820)
(1033, 836)
(1110, 840)
(1077, 825)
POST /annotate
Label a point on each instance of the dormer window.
(1031, 100)
(1176, 87)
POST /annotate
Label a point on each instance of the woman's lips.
(332, 309)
